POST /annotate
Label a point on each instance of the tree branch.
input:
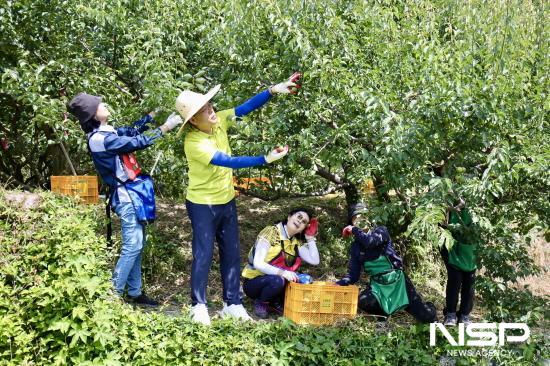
(321, 171)
(367, 145)
(9, 181)
(280, 194)
(136, 95)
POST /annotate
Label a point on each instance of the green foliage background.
(430, 99)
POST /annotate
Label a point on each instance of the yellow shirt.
(209, 184)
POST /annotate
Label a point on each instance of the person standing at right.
(461, 264)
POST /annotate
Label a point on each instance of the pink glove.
(311, 229)
(347, 231)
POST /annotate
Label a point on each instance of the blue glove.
(141, 124)
(304, 278)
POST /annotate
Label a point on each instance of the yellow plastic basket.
(83, 186)
(320, 302)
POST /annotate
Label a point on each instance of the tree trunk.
(352, 195)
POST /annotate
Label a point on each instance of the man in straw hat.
(210, 197)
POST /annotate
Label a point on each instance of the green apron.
(463, 254)
(387, 284)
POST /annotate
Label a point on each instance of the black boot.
(142, 300)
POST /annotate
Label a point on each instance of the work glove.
(290, 276)
(172, 121)
(276, 154)
(311, 229)
(289, 86)
(343, 282)
(347, 232)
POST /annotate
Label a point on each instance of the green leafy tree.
(421, 97)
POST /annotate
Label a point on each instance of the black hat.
(84, 107)
(356, 209)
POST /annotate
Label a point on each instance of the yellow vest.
(274, 235)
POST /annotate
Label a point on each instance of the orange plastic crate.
(83, 186)
(320, 302)
(248, 183)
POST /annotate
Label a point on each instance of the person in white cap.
(210, 197)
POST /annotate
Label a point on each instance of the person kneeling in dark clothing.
(389, 289)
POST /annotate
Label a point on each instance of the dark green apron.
(463, 254)
(387, 284)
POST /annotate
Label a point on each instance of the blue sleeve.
(127, 144)
(139, 126)
(354, 264)
(127, 131)
(373, 239)
(142, 124)
(253, 103)
(222, 159)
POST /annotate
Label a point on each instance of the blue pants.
(128, 267)
(266, 288)
(209, 223)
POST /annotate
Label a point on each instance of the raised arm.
(238, 162)
(354, 266)
(253, 103)
(309, 252)
(138, 127)
(257, 101)
(127, 144)
(373, 239)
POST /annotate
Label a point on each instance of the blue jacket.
(367, 247)
(107, 143)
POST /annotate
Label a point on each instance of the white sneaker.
(235, 311)
(199, 314)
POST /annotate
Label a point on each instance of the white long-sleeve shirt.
(308, 252)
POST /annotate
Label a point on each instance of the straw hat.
(188, 103)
